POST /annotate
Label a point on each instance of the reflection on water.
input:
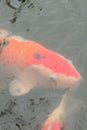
(60, 25)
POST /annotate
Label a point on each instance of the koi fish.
(54, 121)
(57, 118)
(27, 64)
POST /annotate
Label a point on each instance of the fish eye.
(5, 43)
(1, 43)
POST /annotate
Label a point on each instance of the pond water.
(60, 25)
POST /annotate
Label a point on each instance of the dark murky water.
(60, 25)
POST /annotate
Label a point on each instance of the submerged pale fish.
(26, 64)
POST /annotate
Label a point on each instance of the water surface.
(60, 25)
